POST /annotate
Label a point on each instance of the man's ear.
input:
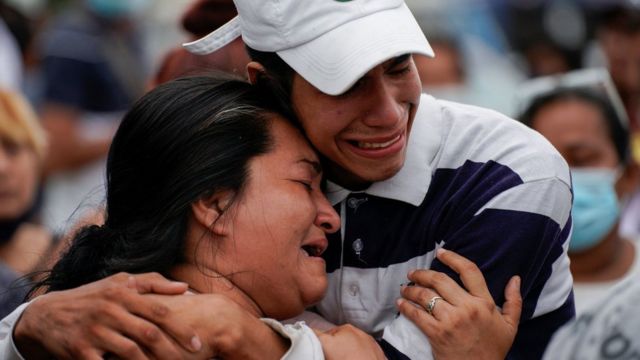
(254, 69)
(209, 211)
(629, 180)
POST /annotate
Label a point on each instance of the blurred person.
(618, 47)
(92, 68)
(594, 140)
(203, 17)
(23, 240)
(607, 330)
(11, 60)
(545, 58)
(444, 76)
(470, 28)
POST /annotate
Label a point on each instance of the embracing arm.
(109, 315)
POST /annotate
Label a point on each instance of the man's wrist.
(25, 336)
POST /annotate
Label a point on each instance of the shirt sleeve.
(305, 345)
(8, 350)
(521, 231)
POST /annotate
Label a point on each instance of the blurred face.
(18, 179)
(363, 133)
(623, 54)
(577, 129)
(278, 228)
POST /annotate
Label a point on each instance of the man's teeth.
(369, 145)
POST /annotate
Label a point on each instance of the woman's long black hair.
(184, 140)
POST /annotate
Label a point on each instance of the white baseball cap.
(330, 43)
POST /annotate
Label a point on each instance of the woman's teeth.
(370, 145)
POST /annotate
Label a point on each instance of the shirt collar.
(412, 182)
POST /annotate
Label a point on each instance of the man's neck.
(345, 179)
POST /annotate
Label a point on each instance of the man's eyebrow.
(315, 165)
(397, 60)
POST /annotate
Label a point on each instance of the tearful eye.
(306, 184)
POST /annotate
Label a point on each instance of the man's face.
(362, 133)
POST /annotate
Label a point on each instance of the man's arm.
(108, 316)
(520, 231)
(120, 315)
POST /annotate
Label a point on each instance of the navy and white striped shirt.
(477, 183)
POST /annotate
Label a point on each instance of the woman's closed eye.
(308, 184)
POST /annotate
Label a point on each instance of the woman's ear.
(209, 211)
(254, 69)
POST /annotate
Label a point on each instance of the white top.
(607, 330)
(587, 294)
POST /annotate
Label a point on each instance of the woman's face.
(577, 129)
(278, 226)
(18, 179)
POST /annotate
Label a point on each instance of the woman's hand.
(349, 342)
(461, 324)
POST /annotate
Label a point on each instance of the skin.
(381, 104)
(19, 172)
(577, 130)
(622, 51)
(452, 316)
(282, 222)
(56, 324)
(378, 109)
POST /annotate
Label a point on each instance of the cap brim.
(334, 61)
(217, 39)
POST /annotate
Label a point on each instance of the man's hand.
(349, 342)
(228, 331)
(108, 316)
(463, 324)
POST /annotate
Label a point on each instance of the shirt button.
(358, 245)
(354, 290)
(353, 203)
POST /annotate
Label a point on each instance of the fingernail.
(399, 302)
(411, 272)
(131, 282)
(518, 281)
(440, 252)
(196, 344)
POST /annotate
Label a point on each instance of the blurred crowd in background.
(69, 69)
